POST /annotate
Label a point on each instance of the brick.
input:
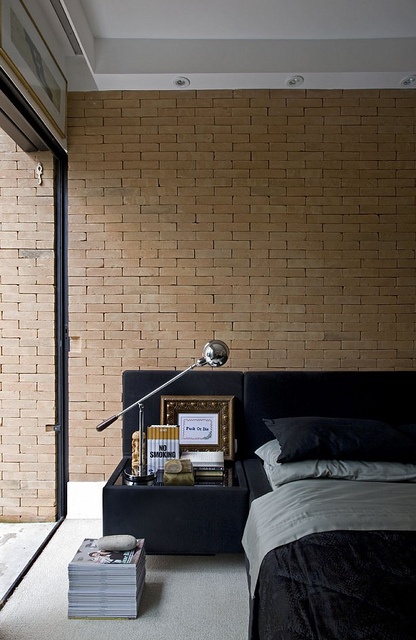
(282, 220)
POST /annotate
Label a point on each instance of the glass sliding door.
(33, 330)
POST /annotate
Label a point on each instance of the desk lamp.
(215, 353)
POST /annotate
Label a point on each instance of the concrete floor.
(19, 542)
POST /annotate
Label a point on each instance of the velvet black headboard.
(200, 382)
(383, 395)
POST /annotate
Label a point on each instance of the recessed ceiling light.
(408, 81)
(295, 81)
(181, 82)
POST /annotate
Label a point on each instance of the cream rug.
(185, 597)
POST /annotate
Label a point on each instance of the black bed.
(353, 452)
(305, 442)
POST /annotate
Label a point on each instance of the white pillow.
(269, 451)
(282, 473)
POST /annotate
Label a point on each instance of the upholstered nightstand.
(203, 519)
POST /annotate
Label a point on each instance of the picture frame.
(206, 423)
(31, 62)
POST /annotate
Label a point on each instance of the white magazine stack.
(106, 584)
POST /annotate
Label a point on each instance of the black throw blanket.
(338, 585)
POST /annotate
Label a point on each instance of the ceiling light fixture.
(409, 81)
(295, 81)
(181, 82)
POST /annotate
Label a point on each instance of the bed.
(330, 539)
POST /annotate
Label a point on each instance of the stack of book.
(106, 584)
(208, 466)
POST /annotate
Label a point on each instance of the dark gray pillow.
(322, 438)
(408, 430)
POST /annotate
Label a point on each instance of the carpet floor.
(185, 597)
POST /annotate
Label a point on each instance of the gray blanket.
(311, 506)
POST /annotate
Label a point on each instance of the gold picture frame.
(31, 62)
(206, 423)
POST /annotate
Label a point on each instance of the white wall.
(85, 500)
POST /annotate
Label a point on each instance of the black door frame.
(24, 126)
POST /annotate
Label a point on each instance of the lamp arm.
(106, 423)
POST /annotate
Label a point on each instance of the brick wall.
(282, 222)
(27, 342)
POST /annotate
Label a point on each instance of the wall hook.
(39, 172)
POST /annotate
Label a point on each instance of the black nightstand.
(198, 520)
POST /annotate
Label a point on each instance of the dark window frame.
(25, 127)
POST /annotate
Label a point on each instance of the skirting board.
(85, 500)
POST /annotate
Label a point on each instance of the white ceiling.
(223, 44)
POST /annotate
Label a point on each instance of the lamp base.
(144, 477)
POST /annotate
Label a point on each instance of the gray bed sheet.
(311, 506)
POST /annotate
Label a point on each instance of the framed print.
(206, 423)
(31, 61)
